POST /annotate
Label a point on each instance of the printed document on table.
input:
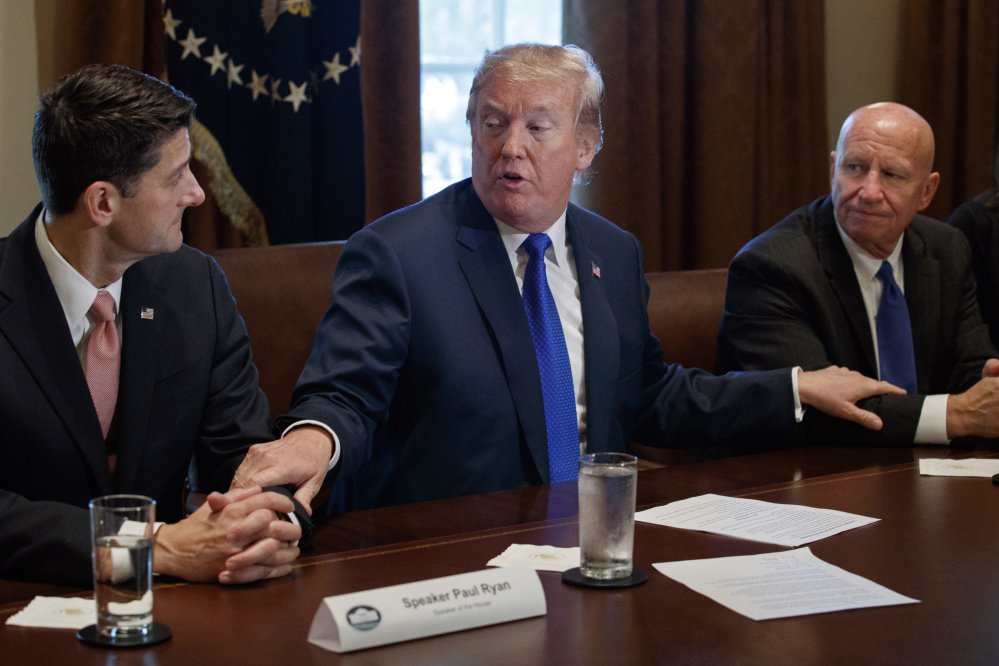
(785, 584)
(984, 467)
(783, 524)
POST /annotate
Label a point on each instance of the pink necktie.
(103, 359)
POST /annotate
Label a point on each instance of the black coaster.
(158, 633)
(574, 577)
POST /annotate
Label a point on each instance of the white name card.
(397, 613)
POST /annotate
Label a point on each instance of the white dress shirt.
(75, 292)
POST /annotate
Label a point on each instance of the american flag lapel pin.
(146, 313)
(596, 270)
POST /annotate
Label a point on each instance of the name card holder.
(385, 615)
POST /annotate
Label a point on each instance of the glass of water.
(607, 484)
(122, 533)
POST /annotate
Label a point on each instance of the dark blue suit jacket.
(188, 392)
(425, 369)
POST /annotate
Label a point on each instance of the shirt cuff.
(335, 458)
(932, 426)
(122, 568)
(799, 410)
(293, 519)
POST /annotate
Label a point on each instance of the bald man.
(809, 290)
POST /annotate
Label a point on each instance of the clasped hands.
(235, 537)
(241, 536)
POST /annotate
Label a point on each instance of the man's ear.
(929, 189)
(100, 202)
(586, 150)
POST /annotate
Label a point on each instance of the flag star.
(170, 24)
(355, 52)
(232, 74)
(275, 90)
(192, 45)
(217, 60)
(258, 86)
(334, 69)
(297, 95)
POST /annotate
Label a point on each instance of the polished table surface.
(936, 541)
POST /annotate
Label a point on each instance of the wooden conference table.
(936, 541)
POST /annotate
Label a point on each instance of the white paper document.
(783, 524)
(785, 584)
(542, 558)
(985, 467)
(56, 613)
(397, 613)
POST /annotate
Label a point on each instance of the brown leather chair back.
(282, 292)
(685, 309)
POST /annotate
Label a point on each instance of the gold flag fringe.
(232, 199)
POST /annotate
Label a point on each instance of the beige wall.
(861, 47)
(18, 101)
(861, 56)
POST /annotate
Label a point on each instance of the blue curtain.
(278, 124)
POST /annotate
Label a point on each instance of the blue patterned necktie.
(897, 360)
(553, 364)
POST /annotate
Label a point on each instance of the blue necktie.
(897, 360)
(553, 364)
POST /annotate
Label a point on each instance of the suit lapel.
(843, 280)
(142, 314)
(483, 260)
(923, 297)
(32, 321)
(601, 355)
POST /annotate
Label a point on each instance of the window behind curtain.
(453, 36)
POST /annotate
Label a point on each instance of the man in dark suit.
(809, 291)
(978, 219)
(112, 155)
(428, 377)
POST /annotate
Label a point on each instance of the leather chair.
(282, 292)
(685, 310)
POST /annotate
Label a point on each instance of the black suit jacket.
(979, 220)
(425, 368)
(793, 299)
(188, 399)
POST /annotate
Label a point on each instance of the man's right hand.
(300, 458)
(232, 538)
(836, 390)
(975, 412)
